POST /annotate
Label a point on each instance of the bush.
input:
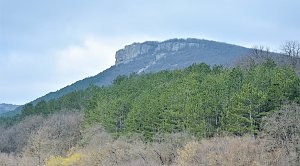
(59, 133)
(15, 138)
(281, 131)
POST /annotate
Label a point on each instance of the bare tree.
(15, 138)
(281, 131)
(59, 133)
(258, 54)
(292, 50)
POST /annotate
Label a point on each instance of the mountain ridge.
(129, 52)
(153, 56)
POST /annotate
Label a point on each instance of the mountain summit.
(153, 56)
(177, 52)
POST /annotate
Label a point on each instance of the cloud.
(91, 56)
(24, 77)
(85, 59)
(27, 76)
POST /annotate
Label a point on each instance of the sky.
(48, 44)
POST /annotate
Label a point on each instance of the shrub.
(281, 130)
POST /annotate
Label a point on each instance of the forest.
(200, 115)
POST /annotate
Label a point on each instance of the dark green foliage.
(198, 100)
(75, 101)
(9, 121)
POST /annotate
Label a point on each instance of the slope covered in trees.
(200, 100)
(166, 118)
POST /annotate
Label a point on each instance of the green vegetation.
(200, 115)
(201, 100)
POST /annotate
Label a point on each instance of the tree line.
(201, 100)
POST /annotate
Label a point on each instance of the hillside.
(219, 100)
(153, 56)
(190, 116)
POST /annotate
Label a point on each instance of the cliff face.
(136, 49)
(130, 52)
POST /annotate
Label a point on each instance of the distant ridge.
(7, 108)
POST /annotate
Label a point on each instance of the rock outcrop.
(136, 49)
(130, 52)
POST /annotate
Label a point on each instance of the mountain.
(153, 56)
(6, 108)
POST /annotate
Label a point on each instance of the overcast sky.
(48, 44)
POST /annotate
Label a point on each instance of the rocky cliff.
(159, 49)
(136, 49)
